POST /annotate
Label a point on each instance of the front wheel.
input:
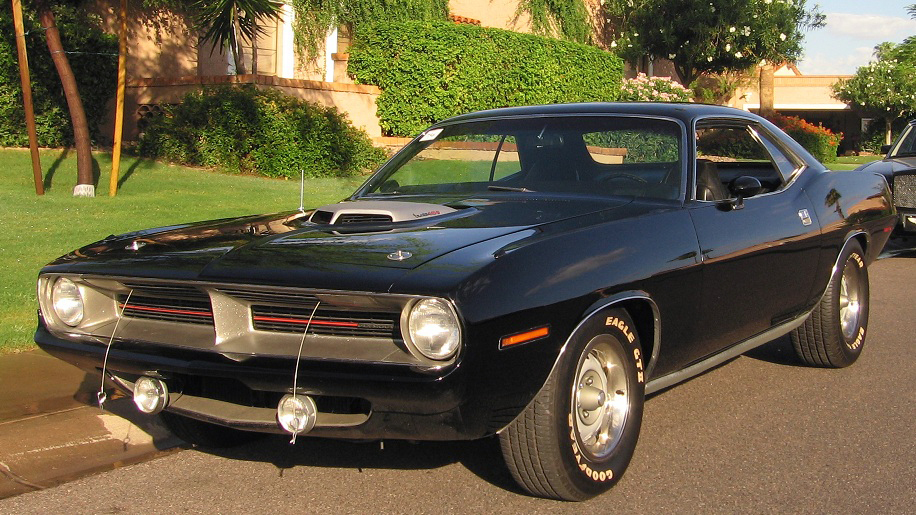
(576, 438)
(834, 334)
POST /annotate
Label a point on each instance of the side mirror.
(885, 149)
(741, 188)
(745, 186)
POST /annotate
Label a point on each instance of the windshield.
(602, 155)
(907, 145)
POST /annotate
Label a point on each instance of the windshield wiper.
(495, 187)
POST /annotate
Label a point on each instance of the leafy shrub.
(643, 88)
(250, 130)
(431, 71)
(821, 142)
(94, 62)
(728, 142)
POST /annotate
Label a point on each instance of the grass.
(37, 229)
(851, 162)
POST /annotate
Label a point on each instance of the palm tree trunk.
(767, 93)
(85, 186)
(237, 45)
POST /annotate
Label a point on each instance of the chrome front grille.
(905, 190)
(182, 310)
(242, 321)
(166, 302)
(324, 322)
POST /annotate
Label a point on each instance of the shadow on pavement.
(482, 457)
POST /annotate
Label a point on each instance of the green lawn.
(851, 162)
(37, 229)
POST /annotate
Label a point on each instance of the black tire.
(548, 448)
(834, 334)
(204, 434)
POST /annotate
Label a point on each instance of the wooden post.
(27, 96)
(119, 103)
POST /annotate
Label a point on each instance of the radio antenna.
(301, 190)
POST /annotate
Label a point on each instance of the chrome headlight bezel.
(432, 329)
(67, 302)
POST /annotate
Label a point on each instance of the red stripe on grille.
(305, 322)
(167, 310)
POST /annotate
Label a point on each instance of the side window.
(728, 150)
(507, 161)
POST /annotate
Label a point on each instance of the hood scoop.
(376, 212)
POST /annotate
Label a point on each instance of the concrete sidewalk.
(52, 431)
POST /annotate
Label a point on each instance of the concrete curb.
(49, 433)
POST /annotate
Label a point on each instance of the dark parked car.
(530, 273)
(899, 168)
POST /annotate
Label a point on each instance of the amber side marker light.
(527, 336)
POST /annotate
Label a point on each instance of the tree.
(225, 23)
(885, 87)
(710, 37)
(85, 184)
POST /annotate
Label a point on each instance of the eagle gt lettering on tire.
(576, 438)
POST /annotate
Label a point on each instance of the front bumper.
(354, 400)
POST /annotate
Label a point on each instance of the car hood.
(288, 249)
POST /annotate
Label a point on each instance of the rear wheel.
(204, 434)
(834, 334)
(576, 438)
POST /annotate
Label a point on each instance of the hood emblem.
(135, 246)
(399, 255)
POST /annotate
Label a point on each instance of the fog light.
(297, 414)
(151, 395)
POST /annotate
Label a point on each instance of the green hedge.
(250, 130)
(94, 62)
(820, 141)
(431, 71)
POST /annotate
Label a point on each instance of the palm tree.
(227, 22)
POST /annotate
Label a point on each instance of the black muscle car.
(899, 168)
(530, 273)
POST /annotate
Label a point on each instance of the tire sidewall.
(589, 475)
(852, 256)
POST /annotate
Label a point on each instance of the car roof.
(685, 112)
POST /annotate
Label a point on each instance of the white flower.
(739, 55)
(728, 47)
(709, 58)
(731, 29)
(672, 56)
(746, 31)
(782, 36)
(613, 44)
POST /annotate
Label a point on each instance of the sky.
(853, 29)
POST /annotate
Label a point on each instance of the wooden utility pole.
(27, 96)
(119, 103)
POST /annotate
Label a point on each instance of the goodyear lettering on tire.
(595, 475)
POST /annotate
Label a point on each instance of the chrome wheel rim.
(850, 301)
(600, 398)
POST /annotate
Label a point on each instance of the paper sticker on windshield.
(431, 135)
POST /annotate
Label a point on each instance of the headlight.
(433, 329)
(67, 301)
